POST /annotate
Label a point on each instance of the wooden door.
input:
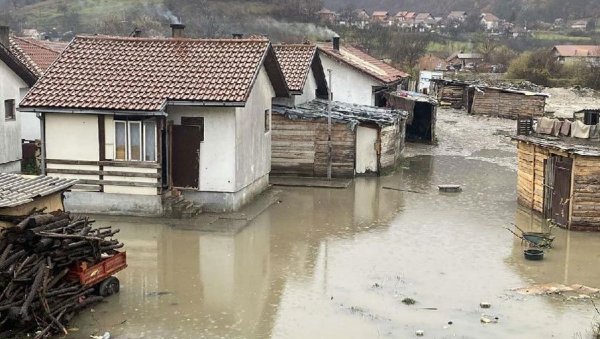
(366, 150)
(186, 156)
(561, 192)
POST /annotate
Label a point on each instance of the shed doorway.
(185, 165)
(557, 189)
(366, 150)
(420, 128)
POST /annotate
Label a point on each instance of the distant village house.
(327, 16)
(569, 54)
(490, 21)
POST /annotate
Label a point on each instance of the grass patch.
(556, 36)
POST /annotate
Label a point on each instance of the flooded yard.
(338, 263)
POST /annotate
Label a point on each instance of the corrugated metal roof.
(17, 189)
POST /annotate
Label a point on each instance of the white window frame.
(142, 141)
(145, 124)
(126, 138)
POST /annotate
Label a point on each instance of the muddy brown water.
(337, 263)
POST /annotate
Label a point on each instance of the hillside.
(519, 10)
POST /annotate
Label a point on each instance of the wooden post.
(329, 148)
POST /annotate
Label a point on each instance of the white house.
(303, 72)
(16, 78)
(357, 77)
(37, 56)
(490, 21)
(133, 118)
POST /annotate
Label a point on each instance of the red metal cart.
(100, 275)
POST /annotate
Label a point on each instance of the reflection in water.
(191, 284)
(573, 259)
(330, 263)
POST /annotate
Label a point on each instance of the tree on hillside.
(486, 45)
(407, 48)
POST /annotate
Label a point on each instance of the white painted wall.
(425, 78)
(72, 136)
(366, 155)
(253, 144)
(30, 124)
(310, 90)
(10, 131)
(349, 84)
(217, 151)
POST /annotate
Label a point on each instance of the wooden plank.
(134, 164)
(104, 173)
(117, 183)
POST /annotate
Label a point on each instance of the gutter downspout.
(42, 142)
(329, 146)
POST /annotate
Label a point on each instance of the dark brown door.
(561, 192)
(185, 155)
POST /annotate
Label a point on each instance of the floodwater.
(337, 263)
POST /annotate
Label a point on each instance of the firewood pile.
(38, 296)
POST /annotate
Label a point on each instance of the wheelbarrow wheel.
(109, 287)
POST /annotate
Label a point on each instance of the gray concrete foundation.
(114, 204)
(227, 201)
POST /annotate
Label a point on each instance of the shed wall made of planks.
(392, 145)
(508, 105)
(299, 147)
(530, 178)
(585, 213)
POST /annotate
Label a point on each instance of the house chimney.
(177, 30)
(237, 35)
(4, 30)
(336, 43)
(136, 33)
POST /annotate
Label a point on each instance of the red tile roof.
(354, 57)
(141, 74)
(578, 50)
(295, 61)
(37, 55)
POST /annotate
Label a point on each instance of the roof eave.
(33, 109)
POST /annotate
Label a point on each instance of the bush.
(537, 66)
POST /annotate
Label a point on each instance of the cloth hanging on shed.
(545, 126)
(556, 127)
(565, 129)
(595, 131)
(580, 130)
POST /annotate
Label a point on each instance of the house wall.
(252, 140)
(10, 131)
(74, 137)
(508, 105)
(309, 92)
(218, 150)
(348, 84)
(300, 148)
(30, 124)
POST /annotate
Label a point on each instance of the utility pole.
(329, 148)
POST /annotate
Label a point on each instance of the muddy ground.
(564, 101)
(338, 263)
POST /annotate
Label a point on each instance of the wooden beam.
(117, 183)
(104, 173)
(135, 164)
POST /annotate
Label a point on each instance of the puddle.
(328, 263)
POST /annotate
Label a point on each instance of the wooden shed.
(20, 194)
(508, 103)
(452, 92)
(560, 178)
(422, 114)
(365, 139)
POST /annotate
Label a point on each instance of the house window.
(135, 140)
(267, 120)
(9, 109)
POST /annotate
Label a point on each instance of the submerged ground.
(337, 263)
